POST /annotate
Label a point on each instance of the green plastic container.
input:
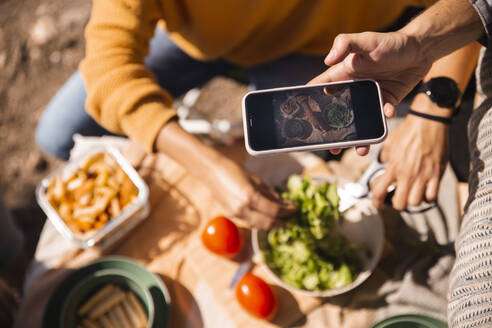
(94, 282)
(410, 321)
(80, 284)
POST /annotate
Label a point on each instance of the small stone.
(43, 31)
(74, 17)
(55, 57)
(68, 59)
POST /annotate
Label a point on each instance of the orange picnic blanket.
(167, 244)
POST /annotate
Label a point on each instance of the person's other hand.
(241, 194)
(393, 59)
(416, 154)
(245, 196)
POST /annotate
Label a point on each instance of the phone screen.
(314, 115)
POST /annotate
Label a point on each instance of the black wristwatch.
(442, 91)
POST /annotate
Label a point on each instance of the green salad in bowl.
(338, 115)
(315, 252)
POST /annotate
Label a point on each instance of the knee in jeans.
(50, 143)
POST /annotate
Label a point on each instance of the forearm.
(187, 150)
(446, 26)
(458, 66)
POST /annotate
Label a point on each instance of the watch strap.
(445, 120)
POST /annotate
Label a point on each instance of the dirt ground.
(41, 44)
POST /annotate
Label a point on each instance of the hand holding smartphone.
(313, 117)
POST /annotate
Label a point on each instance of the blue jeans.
(175, 72)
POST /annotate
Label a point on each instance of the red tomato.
(221, 236)
(256, 297)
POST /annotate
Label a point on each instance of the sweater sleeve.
(122, 94)
(484, 10)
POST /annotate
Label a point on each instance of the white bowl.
(361, 224)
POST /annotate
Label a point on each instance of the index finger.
(380, 187)
(338, 72)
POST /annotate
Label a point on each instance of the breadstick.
(132, 314)
(105, 322)
(122, 318)
(137, 307)
(89, 324)
(113, 318)
(101, 294)
(107, 303)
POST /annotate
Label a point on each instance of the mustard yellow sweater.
(124, 97)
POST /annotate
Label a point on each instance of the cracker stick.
(113, 318)
(107, 303)
(137, 307)
(122, 318)
(89, 323)
(132, 314)
(105, 291)
(106, 323)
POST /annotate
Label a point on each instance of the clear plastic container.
(116, 227)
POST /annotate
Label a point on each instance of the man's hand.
(241, 194)
(399, 60)
(416, 153)
(393, 59)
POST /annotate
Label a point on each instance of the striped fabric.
(470, 303)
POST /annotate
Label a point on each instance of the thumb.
(344, 44)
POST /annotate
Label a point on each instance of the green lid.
(410, 321)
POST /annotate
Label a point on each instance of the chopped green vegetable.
(307, 253)
(338, 115)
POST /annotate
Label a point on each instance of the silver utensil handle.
(375, 170)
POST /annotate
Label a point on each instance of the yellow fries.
(93, 195)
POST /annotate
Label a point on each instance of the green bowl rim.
(156, 280)
(130, 261)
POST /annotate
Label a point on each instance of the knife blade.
(244, 267)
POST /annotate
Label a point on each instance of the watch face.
(443, 91)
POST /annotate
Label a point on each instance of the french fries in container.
(94, 199)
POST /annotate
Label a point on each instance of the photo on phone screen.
(318, 115)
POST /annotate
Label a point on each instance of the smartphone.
(313, 117)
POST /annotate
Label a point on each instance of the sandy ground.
(41, 44)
